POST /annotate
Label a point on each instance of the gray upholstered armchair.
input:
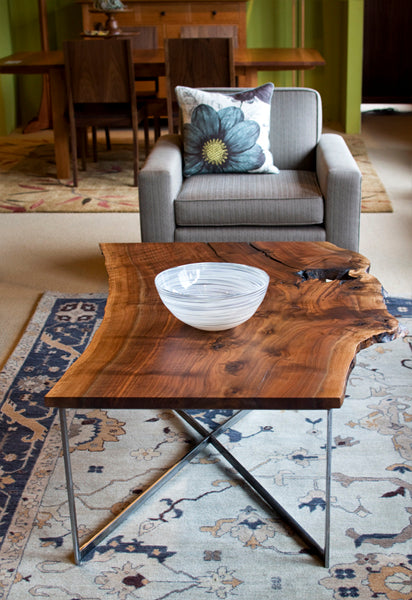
(316, 196)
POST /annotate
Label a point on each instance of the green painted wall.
(334, 27)
(25, 35)
(353, 82)
(7, 83)
(19, 30)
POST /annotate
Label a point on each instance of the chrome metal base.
(209, 437)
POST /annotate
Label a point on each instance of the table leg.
(323, 553)
(60, 123)
(69, 484)
(80, 551)
(328, 486)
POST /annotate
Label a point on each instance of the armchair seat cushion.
(291, 197)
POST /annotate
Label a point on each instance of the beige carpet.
(28, 181)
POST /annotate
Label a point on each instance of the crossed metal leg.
(209, 437)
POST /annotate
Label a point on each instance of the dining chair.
(196, 62)
(147, 88)
(101, 93)
(146, 38)
(211, 31)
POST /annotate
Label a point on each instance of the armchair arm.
(340, 182)
(159, 183)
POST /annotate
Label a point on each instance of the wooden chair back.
(147, 88)
(210, 31)
(144, 37)
(100, 89)
(196, 62)
(99, 71)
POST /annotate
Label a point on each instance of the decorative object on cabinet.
(108, 5)
(109, 8)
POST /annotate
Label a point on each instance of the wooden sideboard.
(169, 15)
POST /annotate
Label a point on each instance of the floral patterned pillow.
(226, 133)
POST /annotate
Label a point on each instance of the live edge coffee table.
(296, 352)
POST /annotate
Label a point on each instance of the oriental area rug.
(28, 181)
(204, 535)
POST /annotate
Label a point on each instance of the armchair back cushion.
(295, 127)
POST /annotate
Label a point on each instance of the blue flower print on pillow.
(221, 142)
(226, 133)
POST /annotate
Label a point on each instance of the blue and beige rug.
(204, 535)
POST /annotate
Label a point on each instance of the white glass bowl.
(212, 296)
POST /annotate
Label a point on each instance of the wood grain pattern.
(297, 351)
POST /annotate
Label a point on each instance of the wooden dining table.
(248, 62)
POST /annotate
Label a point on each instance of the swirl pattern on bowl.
(212, 296)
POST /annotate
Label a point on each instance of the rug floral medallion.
(205, 534)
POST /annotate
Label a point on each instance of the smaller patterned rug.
(374, 196)
(204, 535)
(28, 181)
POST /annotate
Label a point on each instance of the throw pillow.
(226, 133)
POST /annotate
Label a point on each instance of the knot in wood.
(234, 366)
(218, 344)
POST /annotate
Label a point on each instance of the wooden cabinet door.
(221, 13)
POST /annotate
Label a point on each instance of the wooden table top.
(296, 352)
(262, 59)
